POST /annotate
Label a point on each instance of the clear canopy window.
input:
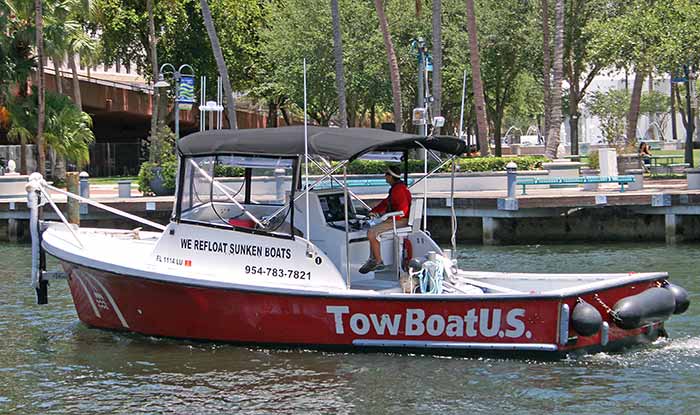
(240, 191)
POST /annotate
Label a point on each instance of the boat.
(267, 257)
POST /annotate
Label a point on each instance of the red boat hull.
(149, 307)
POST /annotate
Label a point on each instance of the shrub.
(465, 164)
(593, 160)
(166, 160)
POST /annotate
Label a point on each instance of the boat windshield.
(238, 191)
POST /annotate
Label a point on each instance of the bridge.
(120, 102)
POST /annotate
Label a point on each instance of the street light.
(184, 89)
(689, 91)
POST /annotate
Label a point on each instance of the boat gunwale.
(348, 293)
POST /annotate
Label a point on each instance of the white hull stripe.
(111, 301)
(87, 294)
(456, 345)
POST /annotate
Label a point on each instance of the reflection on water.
(51, 363)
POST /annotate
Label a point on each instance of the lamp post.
(690, 84)
(184, 89)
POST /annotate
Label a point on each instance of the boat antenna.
(461, 111)
(453, 214)
(306, 168)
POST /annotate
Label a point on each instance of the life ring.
(407, 254)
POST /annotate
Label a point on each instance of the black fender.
(681, 297)
(585, 319)
(651, 306)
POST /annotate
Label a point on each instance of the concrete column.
(84, 191)
(693, 178)
(638, 175)
(512, 175)
(672, 223)
(489, 226)
(13, 230)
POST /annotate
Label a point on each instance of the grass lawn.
(111, 179)
(696, 154)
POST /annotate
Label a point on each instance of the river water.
(51, 363)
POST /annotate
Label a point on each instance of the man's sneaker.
(369, 266)
(380, 267)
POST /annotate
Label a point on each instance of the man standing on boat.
(399, 200)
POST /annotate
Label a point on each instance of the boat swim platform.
(664, 210)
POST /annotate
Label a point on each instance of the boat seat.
(415, 215)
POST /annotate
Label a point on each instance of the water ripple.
(52, 364)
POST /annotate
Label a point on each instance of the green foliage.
(292, 34)
(223, 170)
(166, 163)
(611, 109)
(593, 160)
(68, 130)
(527, 103)
(183, 37)
(655, 102)
(647, 34)
(464, 164)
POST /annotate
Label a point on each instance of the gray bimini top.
(329, 143)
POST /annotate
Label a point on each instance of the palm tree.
(68, 129)
(558, 69)
(393, 64)
(41, 149)
(154, 67)
(547, 70)
(339, 72)
(21, 36)
(633, 114)
(437, 60)
(477, 84)
(220, 63)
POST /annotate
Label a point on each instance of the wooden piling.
(72, 183)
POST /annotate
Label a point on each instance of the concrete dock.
(664, 210)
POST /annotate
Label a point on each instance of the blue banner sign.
(186, 90)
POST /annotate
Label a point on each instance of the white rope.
(63, 218)
(104, 207)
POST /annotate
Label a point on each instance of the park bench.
(669, 168)
(357, 183)
(529, 181)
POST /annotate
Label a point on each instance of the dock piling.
(73, 205)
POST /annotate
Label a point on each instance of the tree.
(610, 107)
(20, 39)
(558, 75)
(68, 130)
(40, 144)
(546, 67)
(393, 64)
(477, 84)
(437, 59)
(220, 63)
(646, 36)
(579, 66)
(339, 72)
(280, 42)
(152, 43)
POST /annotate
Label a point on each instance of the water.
(51, 363)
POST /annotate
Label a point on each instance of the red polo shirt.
(399, 199)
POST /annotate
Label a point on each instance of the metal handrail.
(38, 182)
